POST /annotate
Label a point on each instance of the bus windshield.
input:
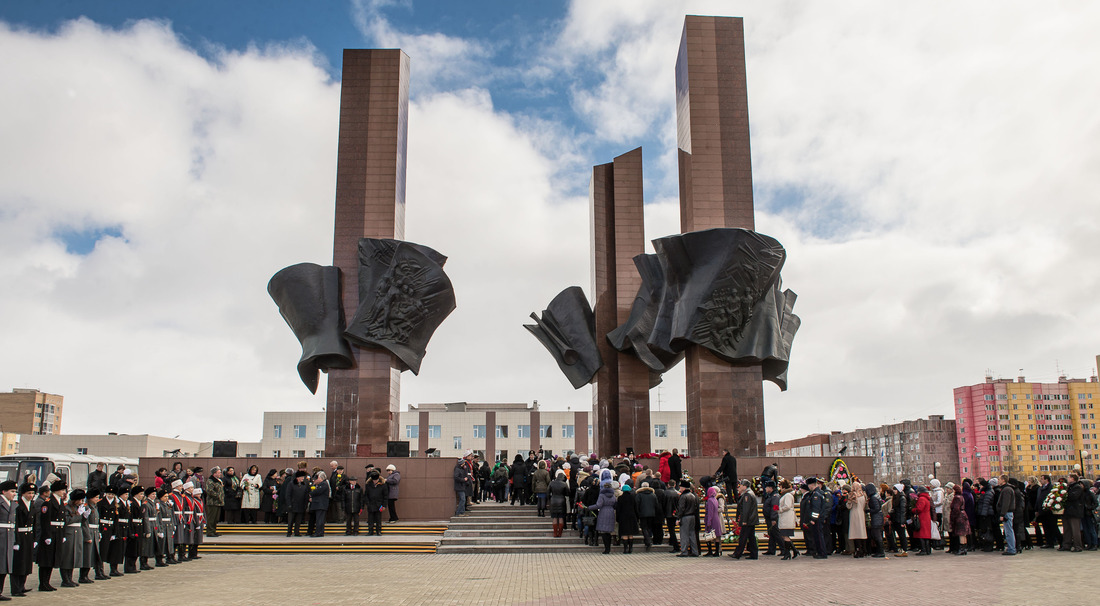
(40, 469)
(9, 470)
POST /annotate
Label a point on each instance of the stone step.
(506, 540)
(497, 532)
(530, 527)
(526, 548)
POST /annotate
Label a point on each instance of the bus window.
(40, 469)
(78, 478)
(9, 470)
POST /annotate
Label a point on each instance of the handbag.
(709, 535)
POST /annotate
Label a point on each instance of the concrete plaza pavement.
(1035, 577)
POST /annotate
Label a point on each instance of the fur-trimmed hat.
(136, 490)
(28, 487)
(8, 485)
(58, 486)
(77, 495)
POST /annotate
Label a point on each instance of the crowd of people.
(619, 501)
(117, 526)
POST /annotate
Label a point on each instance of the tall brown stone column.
(363, 402)
(725, 404)
(621, 390)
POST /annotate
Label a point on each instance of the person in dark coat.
(50, 526)
(233, 492)
(627, 514)
(960, 523)
(688, 510)
(1071, 517)
(728, 469)
(133, 530)
(112, 545)
(282, 504)
(559, 502)
(297, 503)
(461, 477)
(1044, 517)
(771, 516)
(393, 487)
(23, 555)
(267, 496)
(8, 506)
(147, 547)
(650, 515)
(352, 494)
(91, 536)
(670, 497)
(675, 468)
(70, 555)
(519, 481)
(605, 514)
(97, 480)
(375, 496)
(747, 517)
(318, 504)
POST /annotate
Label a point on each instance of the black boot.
(145, 564)
(718, 550)
(785, 551)
(129, 566)
(67, 578)
(607, 542)
(114, 571)
(710, 550)
(84, 576)
(193, 552)
(160, 561)
(44, 579)
(19, 585)
(99, 576)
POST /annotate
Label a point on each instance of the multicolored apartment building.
(1025, 429)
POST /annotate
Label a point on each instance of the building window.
(590, 431)
(683, 430)
(300, 431)
(479, 431)
(545, 431)
(321, 432)
(276, 453)
(523, 431)
(435, 431)
(502, 431)
(660, 431)
(278, 431)
(317, 454)
(412, 431)
(458, 442)
(567, 431)
(83, 451)
(298, 454)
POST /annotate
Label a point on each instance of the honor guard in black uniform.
(23, 560)
(107, 516)
(162, 523)
(134, 531)
(91, 536)
(8, 505)
(122, 530)
(70, 554)
(148, 528)
(50, 530)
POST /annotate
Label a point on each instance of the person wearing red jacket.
(922, 511)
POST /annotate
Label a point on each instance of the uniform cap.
(150, 490)
(28, 487)
(136, 490)
(77, 495)
(58, 486)
(176, 484)
(8, 485)
(93, 493)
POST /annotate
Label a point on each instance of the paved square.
(1035, 577)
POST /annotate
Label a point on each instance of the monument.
(711, 295)
(397, 290)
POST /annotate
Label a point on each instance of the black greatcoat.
(627, 513)
(117, 552)
(23, 560)
(107, 516)
(49, 527)
(134, 532)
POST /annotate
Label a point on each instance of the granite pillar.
(363, 401)
(621, 388)
(725, 404)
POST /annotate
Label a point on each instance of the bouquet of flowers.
(1056, 500)
(733, 535)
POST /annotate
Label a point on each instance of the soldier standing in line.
(91, 536)
(122, 531)
(7, 531)
(198, 525)
(161, 527)
(23, 550)
(134, 530)
(148, 547)
(50, 531)
(178, 507)
(71, 553)
(107, 515)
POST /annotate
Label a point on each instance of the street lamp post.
(1084, 468)
(936, 469)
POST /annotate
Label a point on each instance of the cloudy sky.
(933, 170)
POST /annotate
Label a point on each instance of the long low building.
(126, 445)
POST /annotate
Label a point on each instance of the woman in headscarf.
(251, 484)
(627, 510)
(541, 485)
(605, 514)
(960, 522)
(559, 497)
(712, 522)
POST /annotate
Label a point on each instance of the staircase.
(502, 528)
